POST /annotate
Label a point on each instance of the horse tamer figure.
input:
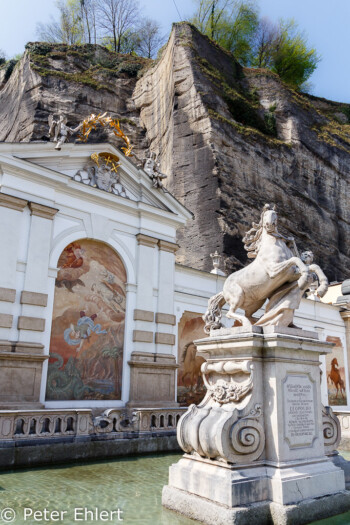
(276, 274)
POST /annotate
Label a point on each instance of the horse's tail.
(212, 316)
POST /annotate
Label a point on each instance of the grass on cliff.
(248, 116)
(88, 64)
(330, 120)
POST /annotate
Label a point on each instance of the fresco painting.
(87, 334)
(335, 369)
(190, 388)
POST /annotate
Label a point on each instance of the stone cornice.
(42, 211)
(153, 364)
(14, 203)
(167, 246)
(146, 240)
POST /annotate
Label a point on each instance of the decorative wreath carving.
(227, 390)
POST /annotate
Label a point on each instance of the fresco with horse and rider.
(335, 369)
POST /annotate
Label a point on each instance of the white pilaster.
(31, 322)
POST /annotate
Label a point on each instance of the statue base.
(255, 448)
(262, 513)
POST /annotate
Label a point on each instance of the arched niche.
(87, 332)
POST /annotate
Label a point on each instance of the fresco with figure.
(87, 334)
(335, 369)
(190, 388)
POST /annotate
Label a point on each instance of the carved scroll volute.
(243, 440)
(331, 430)
(228, 425)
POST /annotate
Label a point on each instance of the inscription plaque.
(299, 410)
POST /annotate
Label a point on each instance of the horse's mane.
(252, 237)
(184, 353)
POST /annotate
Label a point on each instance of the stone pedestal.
(152, 380)
(20, 375)
(255, 448)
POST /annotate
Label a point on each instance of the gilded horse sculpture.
(276, 274)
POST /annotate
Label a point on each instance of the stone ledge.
(42, 211)
(167, 246)
(143, 315)
(155, 365)
(12, 202)
(164, 339)
(139, 358)
(142, 336)
(264, 513)
(20, 347)
(63, 450)
(21, 356)
(165, 319)
(146, 240)
(34, 298)
(6, 320)
(35, 324)
(8, 295)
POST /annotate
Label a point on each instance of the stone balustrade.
(32, 424)
(38, 424)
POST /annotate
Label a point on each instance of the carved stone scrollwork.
(331, 430)
(247, 435)
(220, 434)
(227, 391)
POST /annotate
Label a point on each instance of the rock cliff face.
(74, 80)
(229, 138)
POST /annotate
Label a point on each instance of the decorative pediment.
(100, 167)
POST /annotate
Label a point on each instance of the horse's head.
(334, 362)
(269, 220)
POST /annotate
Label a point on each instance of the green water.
(132, 485)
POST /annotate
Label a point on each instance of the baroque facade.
(97, 320)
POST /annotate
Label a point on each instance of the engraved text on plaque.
(299, 410)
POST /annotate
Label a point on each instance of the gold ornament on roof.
(110, 160)
(103, 120)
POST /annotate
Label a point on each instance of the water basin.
(91, 492)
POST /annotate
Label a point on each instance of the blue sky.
(325, 22)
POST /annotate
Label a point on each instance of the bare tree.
(116, 17)
(89, 17)
(210, 13)
(68, 29)
(150, 38)
(267, 38)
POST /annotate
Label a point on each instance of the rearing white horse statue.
(267, 277)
